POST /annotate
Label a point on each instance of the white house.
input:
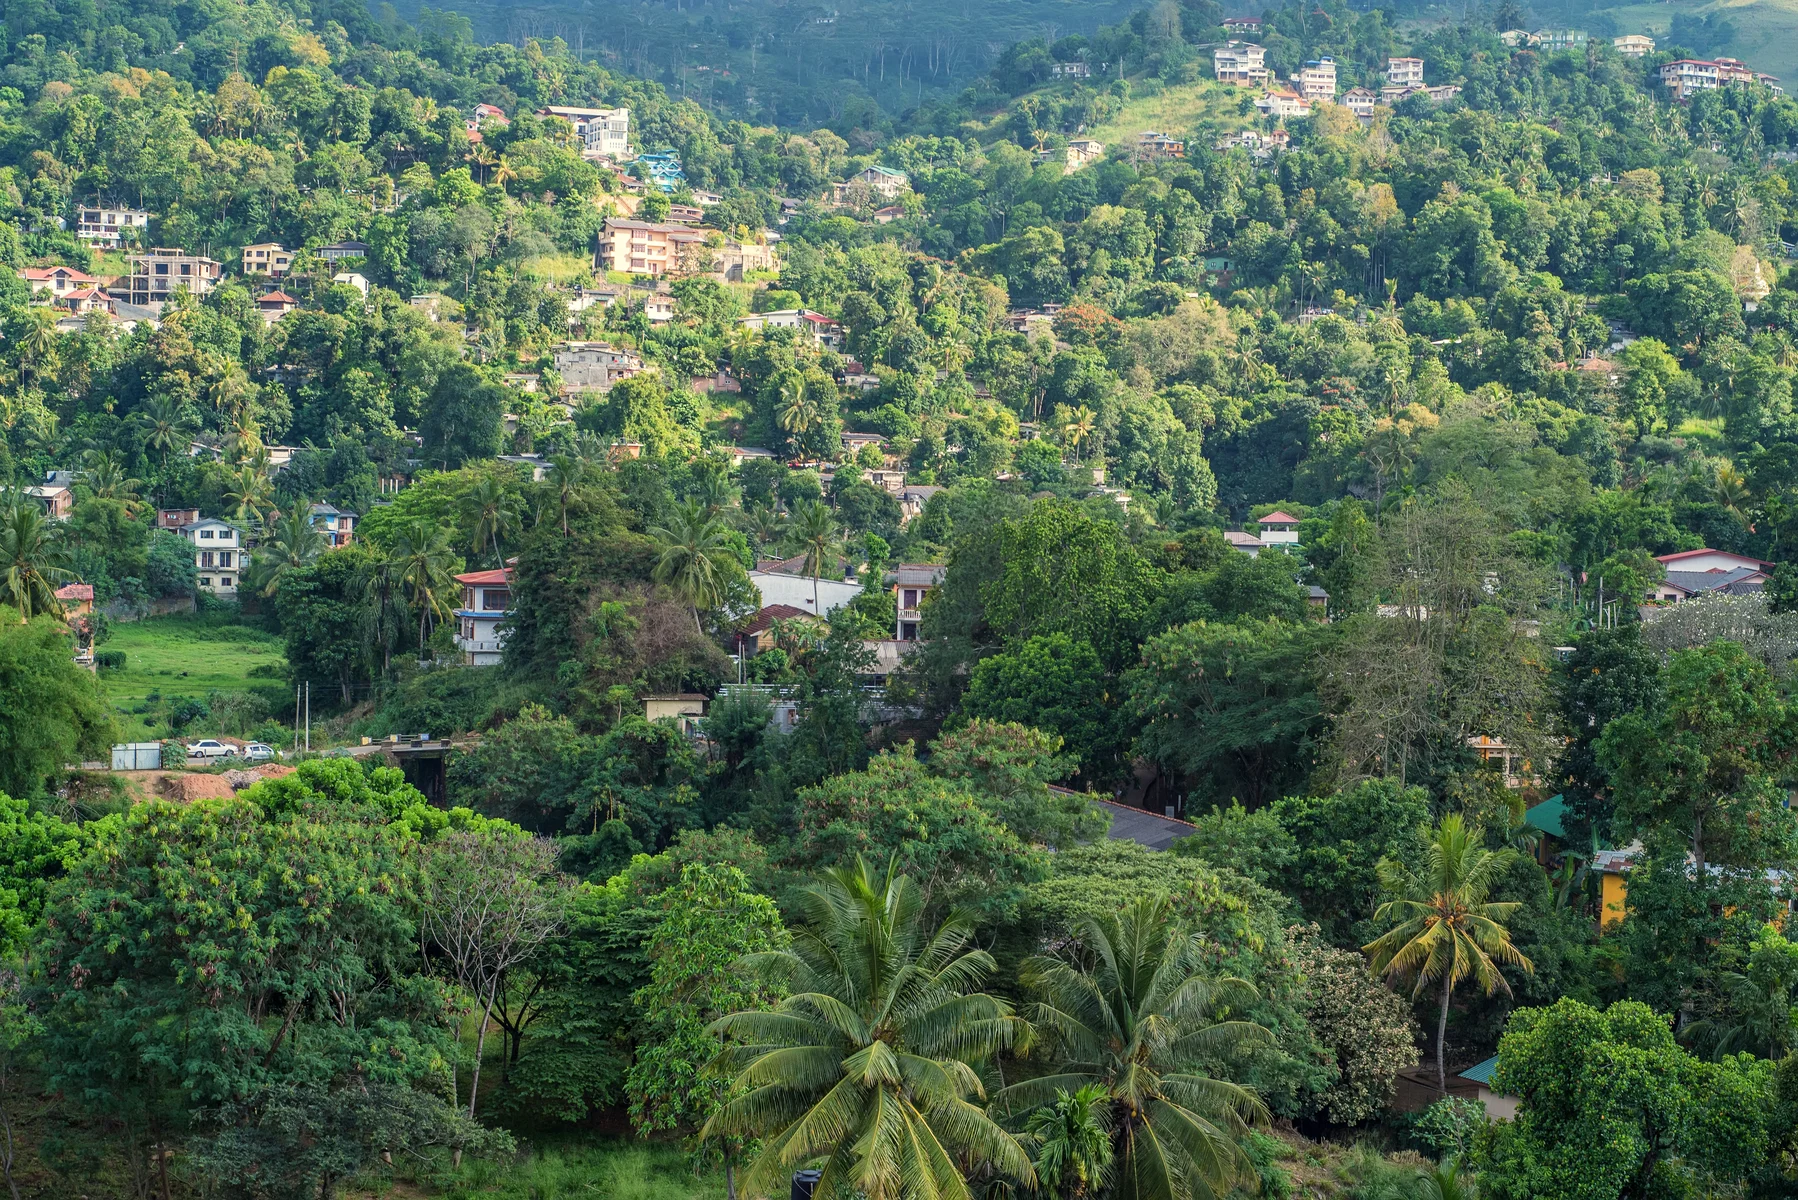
(884, 182)
(486, 602)
(103, 225)
(1360, 101)
(785, 582)
(1633, 45)
(825, 332)
(1316, 80)
(1241, 63)
(1404, 72)
(602, 130)
(1283, 103)
(1248, 543)
(1279, 529)
(219, 556)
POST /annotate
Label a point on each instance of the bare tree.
(491, 897)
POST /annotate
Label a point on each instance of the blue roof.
(1482, 1072)
(1549, 816)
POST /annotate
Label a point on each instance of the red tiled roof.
(1279, 517)
(276, 298)
(75, 591)
(487, 578)
(772, 613)
(52, 272)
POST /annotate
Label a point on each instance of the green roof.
(1482, 1073)
(1549, 816)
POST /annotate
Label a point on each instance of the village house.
(1633, 45)
(785, 581)
(1153, 146)
(275, 305)
(335, 525)
(154, 276)
(594, 366)
(824, 331)
(267, 258)
(1248, 543)
(84, 300)
(733, 261)
(1560, 39)
(1694, 573)
(1279, 528)
(57, 499)
(103, 225)
(219, 556)
(1248, 25)
(486, 603)
(176, 519)
(1071, 70)
(1404, 72)
(1240, 63)
(1284, 105)
(648, 248)
(1687, 75)
(604, 131)
(52, 283)
(1360, 101)
(883, 182)
(1082, 151)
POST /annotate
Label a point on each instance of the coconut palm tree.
(1444, 930)
(503, 173)
(696, 556)
(165, 426)
(31, 558)
(1079, 428)
(250, 496)
(293, 542)
(1071, 1138)
(567, 474)
(1730, 491)
(105, 477)
(422, 563)
(764, 524)
(865, 1066)
(382, 607)
(1135, 1016)
(797, 413)
(38, 343)
(816, 534)
(493, 512)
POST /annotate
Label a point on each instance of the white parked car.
(210, 748)
(259, 752)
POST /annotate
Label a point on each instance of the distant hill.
(1762, 33)
(797, 63)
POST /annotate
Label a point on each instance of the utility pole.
(296, 716)
(308, 716)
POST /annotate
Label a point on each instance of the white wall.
(779, 588)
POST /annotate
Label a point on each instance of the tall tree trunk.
(480, 1046)
(1448, 987)
(730, 1180)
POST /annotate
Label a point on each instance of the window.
(496, 599)
(225, 558)
(206, 558)
(224, 581)
(205, 581)
(911, 598)
(908, 631)
(207, 534)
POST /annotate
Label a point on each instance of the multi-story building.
(1633, 45)
(1404, 72)
(1242, 63)
(1248, 25)
(1687, 75)
(1560, 39)
(1316, 80)
(156, 275)
(872, 183)
(338, 251)
(646, 248)
(594, 366)
(1155, 145)
(486, 603)
(1279, 528)
(267, 258)
(104, 225)
(334, 524)
(911, 583)
(1082, 151)
(602, 130)
(219, 556)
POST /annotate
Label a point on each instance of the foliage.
(51, 711)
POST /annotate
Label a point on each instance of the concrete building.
(154, 276)
(219, 556)
(105, 225)
(337, 526)
(267, 258)
(1633, 45)
(57, 499)
(53, 283)
(646, 248)
(594, 366)
(1241, 63)
(1404, 72)
(1154, 146)
(336, 252)
(824, 331)
(486, 602)
(1687, 75)
(785, 582)
(275, 305)
(912, 582)
(604, 131)
(1279, 528)
(883, 182)
(1360, 101)
(1082, 151)
(1285, 105)
(1316, 80)
(1560, 39)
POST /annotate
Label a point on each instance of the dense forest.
(1492, 358)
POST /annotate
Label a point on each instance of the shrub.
(110, 660)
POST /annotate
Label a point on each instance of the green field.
(176, 656)
(575, 1165)
(1177, 111)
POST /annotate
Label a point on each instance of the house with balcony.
(105, 225)
(882, 182)
(219, 556)
(336, 252)
(1316, 80)
(486, 603)
(1241, 63)
(1360, 101)
(824, 332)
(53, 283)
(1279, 529)
(912, 582)
(156, 275)
(334, 524)
(1633, 45)
(649, 248)
(1284, 105)
(1404, 72)
(604, 131)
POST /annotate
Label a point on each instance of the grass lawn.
(570, 1166)
(1177, 112)
(183, 655)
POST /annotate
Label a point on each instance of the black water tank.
(805, 1183)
